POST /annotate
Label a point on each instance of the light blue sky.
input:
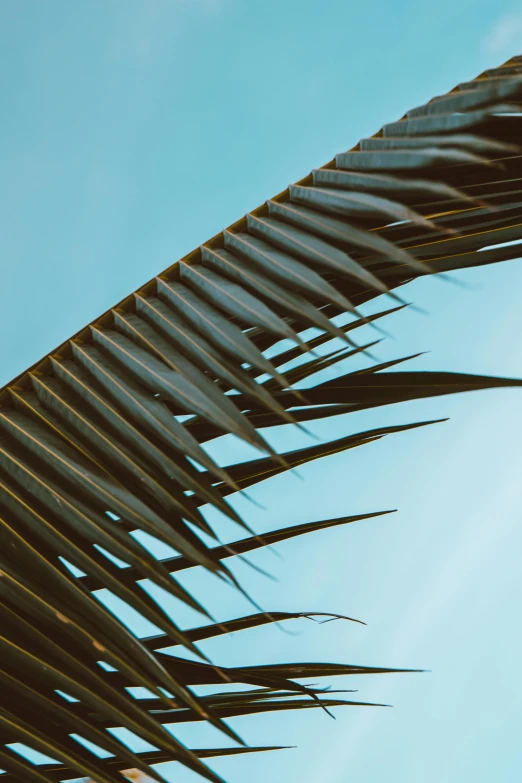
(131, 131)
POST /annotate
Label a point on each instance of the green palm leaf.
(108, 435)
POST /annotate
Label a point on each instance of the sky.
(133, 130)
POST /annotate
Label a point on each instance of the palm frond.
(92, 447)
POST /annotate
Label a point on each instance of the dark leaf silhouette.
(108, 435)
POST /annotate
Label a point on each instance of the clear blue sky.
(133, 130)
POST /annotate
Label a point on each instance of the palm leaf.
(235, 301)
(92, 448)
(297, 307)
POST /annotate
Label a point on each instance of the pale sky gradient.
(133, 130)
